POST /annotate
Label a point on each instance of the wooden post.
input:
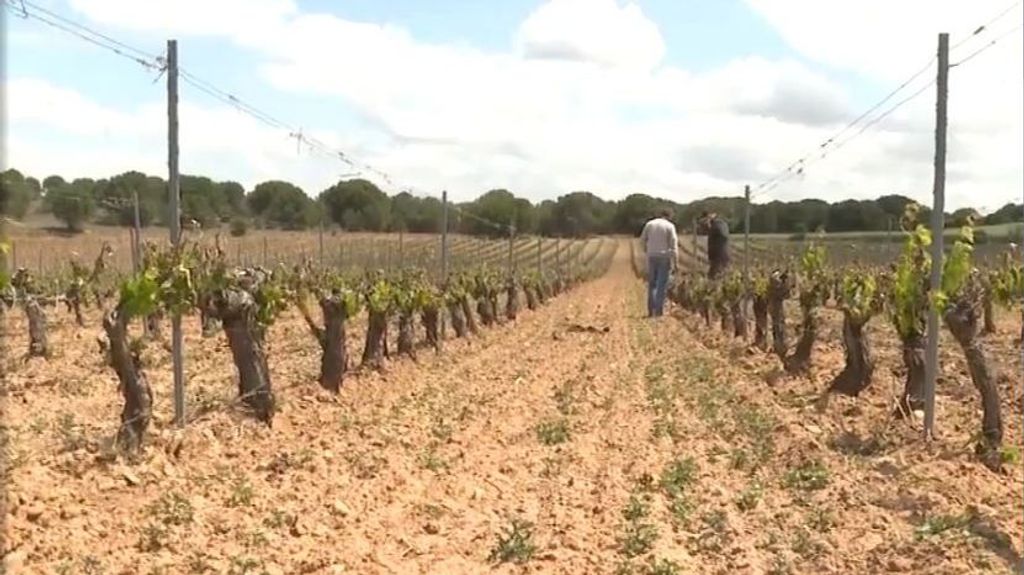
(174, 189)
(746, 238)
(938, 224)
(321, 240)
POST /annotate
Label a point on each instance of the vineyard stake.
(444, 249)
(938, 217)
(174, 190)
(321, 240)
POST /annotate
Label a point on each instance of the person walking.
(717, 231)
(661, 245)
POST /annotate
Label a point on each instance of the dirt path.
(625, 443)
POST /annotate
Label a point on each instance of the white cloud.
(584, 101)
(594, 31)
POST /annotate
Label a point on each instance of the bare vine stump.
(543, 293)
(779, 290)
(138, 399)
(859, 369)
(373, 350)
(236, 310)
(406, 335)
(724, 317)
(990, 323)
(38, 344)
(74, 305)
(334, 359)
(739, 319)
(154, 323)
(531, 298)
(761, 322)
(705, 312)
(913, 387)
(208, 323)
(467, 314)
(962, 319)
(800, 360)
(483, 308)
(492, 304)
(458, 319)
(431, 325)
(512, 304)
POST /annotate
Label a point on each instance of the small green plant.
(432, 461)
(151, 538)
(662, 567)
(553, 432)
(515, 544)
(278, 519)
(241, 493)
(636, 508)
(939, 524)
(173, 509)
(565, 399)
(70, 433)
(806, 546)
(808, 476)
(638, 538)
(678, 476)
(1009, 455)
(714, 535)
(821, 520)
(749, 498)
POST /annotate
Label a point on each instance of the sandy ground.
(638, 446)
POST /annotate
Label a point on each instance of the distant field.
(1000, 232)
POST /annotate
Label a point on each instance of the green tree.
(357, 205)
(73, 204)
(16, 194)
(578, 214)
(283, 205)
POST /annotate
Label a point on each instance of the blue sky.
(772, 68)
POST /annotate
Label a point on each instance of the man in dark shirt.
(718, 243)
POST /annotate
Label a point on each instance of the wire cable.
(986, 25)
(25, 9)
(798, 166)
(148, 61)
(992, 43)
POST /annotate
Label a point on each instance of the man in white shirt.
(661, 245)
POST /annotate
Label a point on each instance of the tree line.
(359, 205)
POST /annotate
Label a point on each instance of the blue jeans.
(658, 270)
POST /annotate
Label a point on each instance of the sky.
(675, 98)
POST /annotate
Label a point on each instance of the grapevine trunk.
(531, 298)
(431, 322)
(990, 324)
(739, 318)
(778, 292)
(138, 398)
(373, 351)
(334, 359)
(512, 305)
(406, 335)
(859, 368)
(458, 319)
(913, 387)
(467, 314)
(962, 320)
(761, 323)
(236, 309)
(38, 345)
(800, 360)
